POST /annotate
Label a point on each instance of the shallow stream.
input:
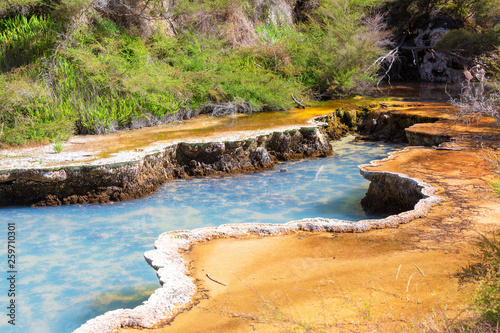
(77, 262)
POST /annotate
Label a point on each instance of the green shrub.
(25, 40)
(338, 50)
(487, 297)
(469, 42)
(164, 74)
(495, 186)
(104, 77)
(486, 273)
(27, 113)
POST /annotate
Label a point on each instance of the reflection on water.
(76, 262)
(421, 90)
(435, 91)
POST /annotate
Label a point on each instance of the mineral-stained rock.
(305, 142)
(390, 125)
(416, 138)
(339, 123)
(390, 194)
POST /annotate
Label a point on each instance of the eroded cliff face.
(100, 184)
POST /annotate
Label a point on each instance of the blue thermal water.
(77, 262)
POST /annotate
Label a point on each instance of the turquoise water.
(76, 262)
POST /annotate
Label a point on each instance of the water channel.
(77, 262)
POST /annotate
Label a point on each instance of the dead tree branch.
(299, 104)
(208, 276)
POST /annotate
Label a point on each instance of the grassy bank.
(88, 67)
(94, 72)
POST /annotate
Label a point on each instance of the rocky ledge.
(128, 180)
(178, 289)
(138, 172)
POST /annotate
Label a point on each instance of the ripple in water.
(77, 262)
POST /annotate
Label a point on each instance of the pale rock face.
(138, 14)
(429, 36)
(437, 66)
(434, 66)
(276, 12)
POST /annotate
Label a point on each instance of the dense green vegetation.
(486, 272)
(487, 297)
(76, 67)
(102, 74)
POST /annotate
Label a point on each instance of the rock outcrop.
(389, 122)
(390, 194)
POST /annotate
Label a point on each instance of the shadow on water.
(128, 297)
(123, 298)
(349, 204)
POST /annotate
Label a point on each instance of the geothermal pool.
(77, 262)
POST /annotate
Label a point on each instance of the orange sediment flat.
(87, 149)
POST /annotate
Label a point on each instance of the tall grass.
(25, 40)
(110, 82)
(485, 272)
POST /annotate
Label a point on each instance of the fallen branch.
(299, 104)
(416, 48)
(208, 276)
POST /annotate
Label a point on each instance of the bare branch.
(299, 104)
(475, 103)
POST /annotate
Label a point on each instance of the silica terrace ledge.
(130, 179)
(134, 179)
(178, 289)
(136, 172)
